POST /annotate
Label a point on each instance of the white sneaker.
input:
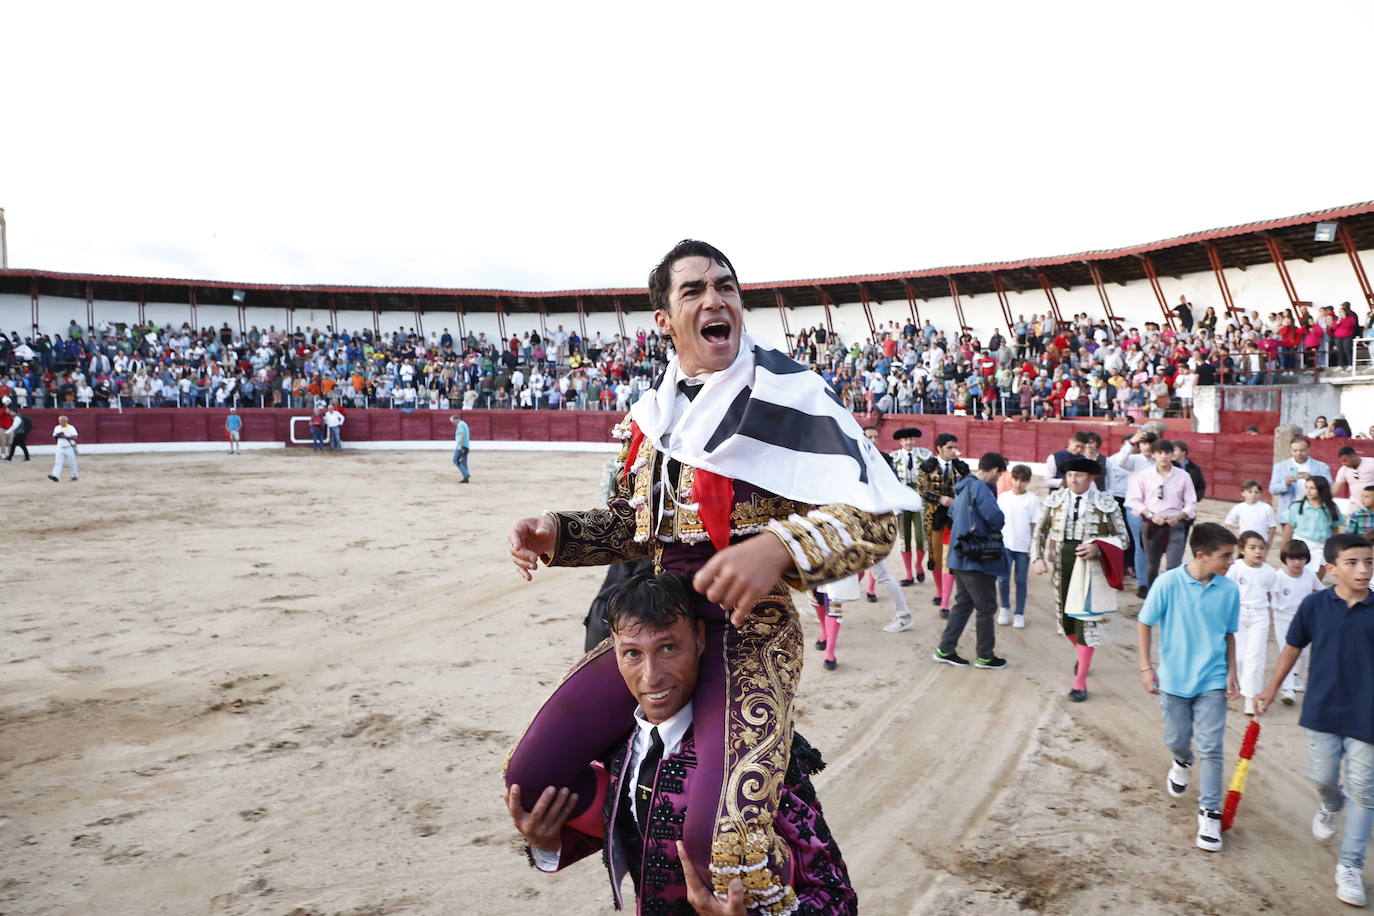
(1018, 622)
(1209, 830)
(1350, 885)
(1004, 616)
(1177, 781)
(1249, 706)
(898, 625)
(1287, 697)
(1324, 824)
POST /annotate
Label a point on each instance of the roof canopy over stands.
(1271, 241)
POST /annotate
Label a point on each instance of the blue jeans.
(317, 438)
(1324, 753)
(1018, 562)
(334, 443)
(1202, 719)
(460, 461)
(1142, 568)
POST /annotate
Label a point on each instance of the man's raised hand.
(542, 827)
(531, 538)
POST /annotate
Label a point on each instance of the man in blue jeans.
(462, 441)
(1338, 713)
(976, 559)
(1197, 610)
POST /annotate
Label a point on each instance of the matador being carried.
(742, 472)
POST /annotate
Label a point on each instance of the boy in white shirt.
(1022, 509)
(1292, 583)
(65, 435)
(1257, 583)
(1253, 515)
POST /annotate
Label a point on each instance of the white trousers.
(63, 454)
(880, 574)
(1252, 647)
(1281, 621)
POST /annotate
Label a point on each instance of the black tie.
(689, 388)
(644, 783)
(1073, 522)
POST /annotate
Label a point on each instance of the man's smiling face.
(705, 315)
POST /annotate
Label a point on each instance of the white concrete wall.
(1326, 281)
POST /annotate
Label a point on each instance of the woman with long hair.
(1340, 429)
(1209, 320)
(1314, 519)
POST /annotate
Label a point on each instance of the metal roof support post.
(1348, 244)
(958, 306)
(1214, 257)
(291, 314)
(142, 318)
(333, 313)
(33, 303)
(376, 323)
(543, 324)
(911, 303)
(782, 316)
(90, 307)
(419, 316)
(462, 327)
(243, 315)
(829, 321)
(501, 320)
(1284, 277)
(1159, 290)
(868, 312)
(1101, 291)
(1001, 290)
(620, 318)
(1048, 287)
(195, 318)
(581, 318)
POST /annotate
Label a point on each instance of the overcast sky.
(548, 146)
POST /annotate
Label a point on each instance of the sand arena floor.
(284, 683)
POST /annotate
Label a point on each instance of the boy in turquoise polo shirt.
(1197, 610)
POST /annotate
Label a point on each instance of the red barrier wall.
(1228, 459)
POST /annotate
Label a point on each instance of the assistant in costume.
(936, 478)
(1078, 522)
(911, 528)
(759, 446)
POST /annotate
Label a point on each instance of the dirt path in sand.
(284, 684)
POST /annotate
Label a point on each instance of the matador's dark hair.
(661, 277)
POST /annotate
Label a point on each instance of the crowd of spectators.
(1039, 368)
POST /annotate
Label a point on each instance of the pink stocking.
(832, 633)
(1085, 659)
(820, 608)
(906, 563)
(920, 562)
(870, 582)
(949, 590)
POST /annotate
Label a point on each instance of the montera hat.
(1079, 463)
(907, 432)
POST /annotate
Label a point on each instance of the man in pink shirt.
(1164, 498)
(1355, 473)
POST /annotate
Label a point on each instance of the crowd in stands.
(1040, 368)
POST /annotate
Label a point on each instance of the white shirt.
(1289, 592)
(670, 732)
(1021, 511)
(1256, 584)
(69, 431)
(1257, 517)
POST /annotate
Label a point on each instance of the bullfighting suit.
(935, 479)
(761, 448)
(911, 533)
(1086, 591)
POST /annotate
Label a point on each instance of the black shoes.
(830, 664)
(52, 478)
(952, 658)
(935, 599)
(1078, 696)
(907, 583)
(991, 664)
(920, 577)
(820, 644)
(944, 613)
(871, 598)
(1141, 592)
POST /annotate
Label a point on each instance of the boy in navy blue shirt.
(1338, 713)
(1197, 610)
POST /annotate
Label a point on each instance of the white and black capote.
(773, 420)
